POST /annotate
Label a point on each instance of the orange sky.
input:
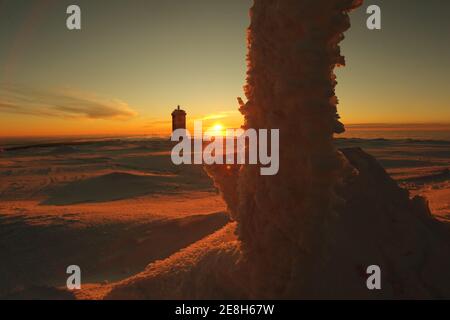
(132, 64)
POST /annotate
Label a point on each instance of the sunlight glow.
(217, 130)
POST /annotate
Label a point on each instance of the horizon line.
(374, 125)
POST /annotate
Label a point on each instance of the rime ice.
(293, 50)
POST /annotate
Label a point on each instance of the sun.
(217, 130)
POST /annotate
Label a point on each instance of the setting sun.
(217, 130)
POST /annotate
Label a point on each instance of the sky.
(134, 61)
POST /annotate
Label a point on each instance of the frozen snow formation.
(283, 220)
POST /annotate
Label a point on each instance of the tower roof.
(178, 111)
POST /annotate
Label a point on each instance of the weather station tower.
(178, 119)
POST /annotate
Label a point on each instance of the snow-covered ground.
(115, 207)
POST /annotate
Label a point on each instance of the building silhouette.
(178, 119)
